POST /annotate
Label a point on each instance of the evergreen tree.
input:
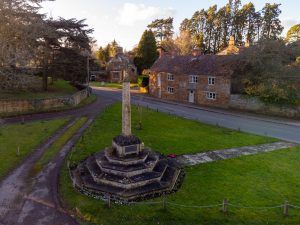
(21, 26)
(185, 25)
(146, 52)
(162, 28)
(271, 24)
(250, 17)
(210, 27)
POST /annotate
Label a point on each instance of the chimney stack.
(161, 51)
(119, 51)
(247, 43)
(231, 41)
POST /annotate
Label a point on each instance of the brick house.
(232, 49)
(117, 66)
(199, 79)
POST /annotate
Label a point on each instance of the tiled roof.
(191, 65)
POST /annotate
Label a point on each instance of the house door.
(159, 85)
(191, 96)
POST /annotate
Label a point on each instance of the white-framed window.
(193, 79)
(170, 90)
(211, 80)
(170, 77)
(211, 95)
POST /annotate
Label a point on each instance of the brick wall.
(16, 106)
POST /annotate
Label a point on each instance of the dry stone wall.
(37, 105)
(252, 104)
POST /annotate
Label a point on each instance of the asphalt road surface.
(285, 129)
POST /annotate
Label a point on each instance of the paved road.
(285, 129)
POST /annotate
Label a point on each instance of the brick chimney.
(231, 41)
(161, 51)
(197, 52)
(119, 51)
(247, 43)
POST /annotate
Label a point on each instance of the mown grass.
(57, 89)
(111, 85)
(164, 133)
(58, 144)
(261, 180)
(266, 179)
(25, 137)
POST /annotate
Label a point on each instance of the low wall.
(252, 104)
(36, 105)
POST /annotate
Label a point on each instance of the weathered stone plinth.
(127, 175)
(127, 145)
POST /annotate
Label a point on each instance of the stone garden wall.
(36, 105)
(252, 104)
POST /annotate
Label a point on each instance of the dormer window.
(170, 77)
(211, 80)
(193, 79)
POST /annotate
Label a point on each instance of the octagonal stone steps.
(90, 186)
(128, 170)
(126, 179)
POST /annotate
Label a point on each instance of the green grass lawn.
(164, 133)
(266, 179)
(58, 88)
(58, 144)
(262, 180)
(111, 85)
(26, 137)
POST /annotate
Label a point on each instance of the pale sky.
(125, 20)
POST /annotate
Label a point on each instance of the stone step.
(98, 177)
(127, 170)
(127, 182)
(127, 160)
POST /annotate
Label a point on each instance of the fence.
(224, 206)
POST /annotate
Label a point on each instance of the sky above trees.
(126, 20)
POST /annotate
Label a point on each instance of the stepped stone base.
(127, 177)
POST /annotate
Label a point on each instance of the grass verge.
(17, 141)
(111, 85)
(57, 145)
(164, 133)
(266, 179)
